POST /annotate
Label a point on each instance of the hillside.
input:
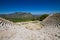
(17, 16)
(23, 16)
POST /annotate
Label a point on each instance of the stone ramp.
(52, 20)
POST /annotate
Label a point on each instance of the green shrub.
(42, 17)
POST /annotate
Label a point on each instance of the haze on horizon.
(33, 6)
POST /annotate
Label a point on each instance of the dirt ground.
(32, 25)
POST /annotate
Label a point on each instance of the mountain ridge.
(18, 16)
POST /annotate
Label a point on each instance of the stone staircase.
(4, 22)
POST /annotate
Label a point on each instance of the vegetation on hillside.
(19, 17)
(42, 17)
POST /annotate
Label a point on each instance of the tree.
(42, 17)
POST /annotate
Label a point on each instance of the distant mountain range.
(18, 15)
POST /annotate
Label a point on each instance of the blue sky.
(33, 6)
